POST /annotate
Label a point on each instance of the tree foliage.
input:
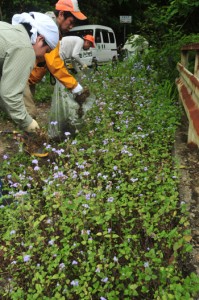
(149, 17)
(164, 23)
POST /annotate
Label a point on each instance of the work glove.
(81, 97)
(84, 67)
(32, 127)
(77, 90)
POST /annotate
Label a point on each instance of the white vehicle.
(105, 44)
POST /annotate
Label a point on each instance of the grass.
(100, 217)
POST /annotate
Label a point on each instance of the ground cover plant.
(100, 217)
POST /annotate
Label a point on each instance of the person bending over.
(66, 15)
(30, 36)
(70, 48)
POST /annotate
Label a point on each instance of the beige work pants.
(29, 100)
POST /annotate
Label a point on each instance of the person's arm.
(38, 72)
(76, 50)
(57, 68)
(16, 70)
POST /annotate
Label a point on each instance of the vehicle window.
(98, 36)
(80, 33)
(105, 36)
(111, 36)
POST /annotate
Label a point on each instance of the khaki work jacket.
(17, 59)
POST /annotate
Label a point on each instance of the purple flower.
(97, 270)
(134, 179)
(74, 282)
(35, 161)
(74, 262)
(86, 173)
(48, 221)
(26, 258)
(53, 122)
(67, 133)
(20, 193)
(36, 168)
(110, 199)
(12, 232)
(115, 259)
(88, 196)
(61, 266)
(85, 205)
(51, 242)
(104, 279)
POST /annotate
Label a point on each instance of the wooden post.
(188, 88)
(196, 66)
(185, 58)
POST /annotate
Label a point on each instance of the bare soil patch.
(10, 139)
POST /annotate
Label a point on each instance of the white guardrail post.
(188, 88)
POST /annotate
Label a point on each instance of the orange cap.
(71, 6)
(90, 38)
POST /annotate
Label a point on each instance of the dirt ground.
(9, 142)
(188, 158)
(189, 185)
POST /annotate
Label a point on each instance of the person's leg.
(29, 101)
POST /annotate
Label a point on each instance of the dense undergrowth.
(100, 217)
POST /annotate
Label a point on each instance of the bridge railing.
(188, 88)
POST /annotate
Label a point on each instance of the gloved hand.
(80, 98)
(32, 127)
(84, 67)
(77, 90)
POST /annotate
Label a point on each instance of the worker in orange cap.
(70, 47)
(66, 14)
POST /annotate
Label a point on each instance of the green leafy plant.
(44, 90)
(100, 217)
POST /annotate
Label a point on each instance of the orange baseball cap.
(71, 6)
(90, 38)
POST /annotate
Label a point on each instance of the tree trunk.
(1, 14)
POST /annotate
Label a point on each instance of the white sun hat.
(41, 24)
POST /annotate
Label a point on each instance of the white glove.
(84, 67)
(78, 89)
(32, 127)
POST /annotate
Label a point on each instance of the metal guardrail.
(188, 88)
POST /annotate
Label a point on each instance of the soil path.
(189, 185)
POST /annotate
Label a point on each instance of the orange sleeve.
(57, 68)
(37, 73)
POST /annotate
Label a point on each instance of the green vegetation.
(44, 90)
(100, 217)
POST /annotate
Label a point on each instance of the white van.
(105, 44)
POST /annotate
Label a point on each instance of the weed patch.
(100, 217)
